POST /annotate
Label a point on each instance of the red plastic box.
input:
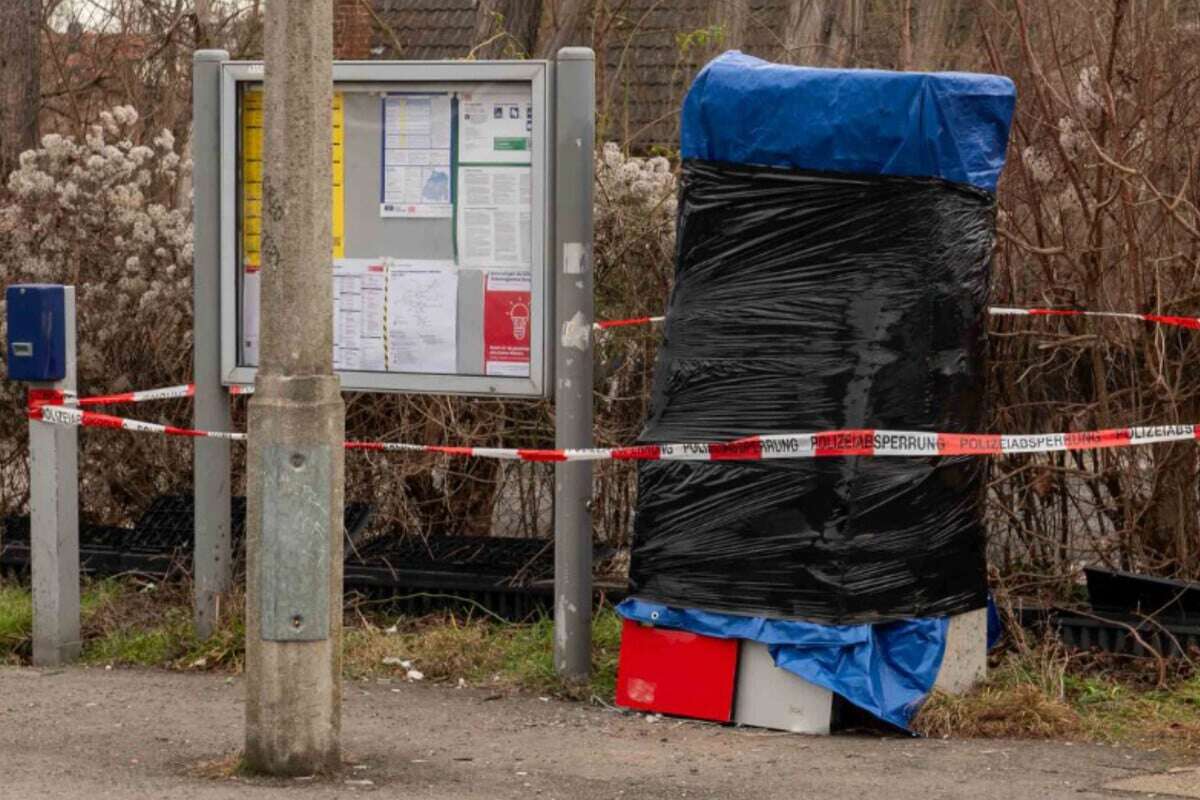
(677, 673)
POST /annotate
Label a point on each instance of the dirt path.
(92, 733)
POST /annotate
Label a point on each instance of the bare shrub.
(1098, 211)
(634, 241)
(635, 207)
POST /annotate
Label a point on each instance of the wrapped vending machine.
(832, 267)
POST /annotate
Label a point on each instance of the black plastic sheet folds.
(810, 302)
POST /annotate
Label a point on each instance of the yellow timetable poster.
(339, 176)
(252, 173)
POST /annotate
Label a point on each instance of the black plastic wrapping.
(809, 302)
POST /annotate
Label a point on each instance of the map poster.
(416, 156)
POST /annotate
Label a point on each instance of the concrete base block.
(770, 697)
(965, 661)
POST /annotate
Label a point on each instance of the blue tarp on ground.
(948, 125)
(886, 669)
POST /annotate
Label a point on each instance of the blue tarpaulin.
(948, 125)
(886, 669)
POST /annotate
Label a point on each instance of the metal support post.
(574, 143)
(297, 419)
(212, 562)
(54, 519)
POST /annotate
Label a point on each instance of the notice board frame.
(408, 76)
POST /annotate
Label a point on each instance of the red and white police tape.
(752, 448)
(61, 408)
(146, 395)
(605, 324)
(188, 390)
(996, 311)
(79, 417)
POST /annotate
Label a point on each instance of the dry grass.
(218, 769)
(479, 652)
(1024, 697)
(1022, 711)
(1036, 690)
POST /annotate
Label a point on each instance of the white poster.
(359, 299)
(422, 317)
(494, 217)
(495, 127)
(416, 156)
(251, 291)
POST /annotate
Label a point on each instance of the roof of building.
(651, 50)
(425, 29)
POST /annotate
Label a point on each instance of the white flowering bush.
(635, 210)
(104, 215)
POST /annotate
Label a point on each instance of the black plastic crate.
(169, 522)
(103, 550)
(161, 541)
(1113, 633)
(518, 560)
(511, 578)
(16, 529)
(465, 574)
(416, 594)
(1129, 593)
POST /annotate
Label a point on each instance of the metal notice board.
(442, 227)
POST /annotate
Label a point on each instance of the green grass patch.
(152, 648)
(16, 614)
(16, 622)
(1113, 711)
(143, 624)
(126, 622)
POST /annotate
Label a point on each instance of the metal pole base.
(54, 541)
(294, 575)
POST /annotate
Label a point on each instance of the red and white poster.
(507, 328)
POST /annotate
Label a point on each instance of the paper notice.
(359, 297)
(506, 324)
(422, 317)
(494, 216)
(251, 291)
(495, 128)
(416, 156)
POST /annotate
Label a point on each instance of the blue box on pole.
(37, 332)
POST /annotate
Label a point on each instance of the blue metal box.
(37, 332)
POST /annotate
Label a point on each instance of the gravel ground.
(94, 733)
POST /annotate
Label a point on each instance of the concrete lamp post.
(297, 418)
